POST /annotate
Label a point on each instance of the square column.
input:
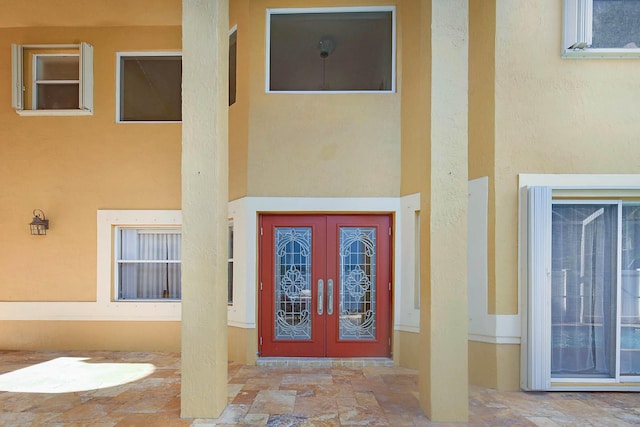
(443, 373)
(205, 40)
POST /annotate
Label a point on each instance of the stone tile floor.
(95, 392)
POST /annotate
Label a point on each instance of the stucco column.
(443, 317)
(205, 32)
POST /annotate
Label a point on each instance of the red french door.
(325, 286)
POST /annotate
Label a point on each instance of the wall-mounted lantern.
(39, 224)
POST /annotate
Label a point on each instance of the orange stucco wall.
(72, 166)
(239, 111)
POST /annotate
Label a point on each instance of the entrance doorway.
(325, 285)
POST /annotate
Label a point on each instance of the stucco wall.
(553, 115)
(482, 26)
(103, 13)
(70, 167)
(239, 111)
(416, 94)
(78, 335)
(319, 144)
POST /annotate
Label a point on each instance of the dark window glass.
(151, 88)
(337, 51)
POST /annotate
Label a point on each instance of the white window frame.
(282, 11)
(537, 193)
(85, 102)
(577, 34)
(119, 56)
(108, 221)
(230, 263)
(232, 31)
(34, 75)
(117, 255)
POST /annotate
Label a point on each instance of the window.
(149, 87)
(331, 49)
(230, 265)
(148, 263)
(417, 263)
(52, 79)
(583, 291)
(233, 57)
(601, 28)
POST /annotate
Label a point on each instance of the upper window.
(148, 263)
(52, 79)
(149, 87)
(233, 60)
(601, 28)
(331, 50)
(230, 265)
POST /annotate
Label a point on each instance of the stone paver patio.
(99, 388)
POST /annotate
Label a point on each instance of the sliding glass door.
(595, 290)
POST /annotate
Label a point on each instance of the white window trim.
(577, 34)
(245, 212)
(282, 11)
(535, 370)
(85, 52)
(230, 259)
(119, 56)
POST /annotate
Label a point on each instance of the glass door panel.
(360, 263)
(292, 280)
(292, 266)
(357, 283)
(630, 297)
(584, 283)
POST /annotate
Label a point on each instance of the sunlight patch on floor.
(72, 374)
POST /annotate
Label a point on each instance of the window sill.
(31, 113)
(601, 53)
(329, 92)
(153, 122)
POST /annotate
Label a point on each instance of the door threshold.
(325, 362)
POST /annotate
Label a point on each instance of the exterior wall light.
(39, 224)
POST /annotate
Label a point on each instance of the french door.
(325, 285)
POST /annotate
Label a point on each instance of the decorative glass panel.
(293, 283)
(630, 310)
(357, 283)
(583, 290)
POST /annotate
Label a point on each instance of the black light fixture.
(39, 224)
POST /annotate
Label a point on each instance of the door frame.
(384, 304)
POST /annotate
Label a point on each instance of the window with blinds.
(148, 262)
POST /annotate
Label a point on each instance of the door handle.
(320, 296)
(330, 296)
